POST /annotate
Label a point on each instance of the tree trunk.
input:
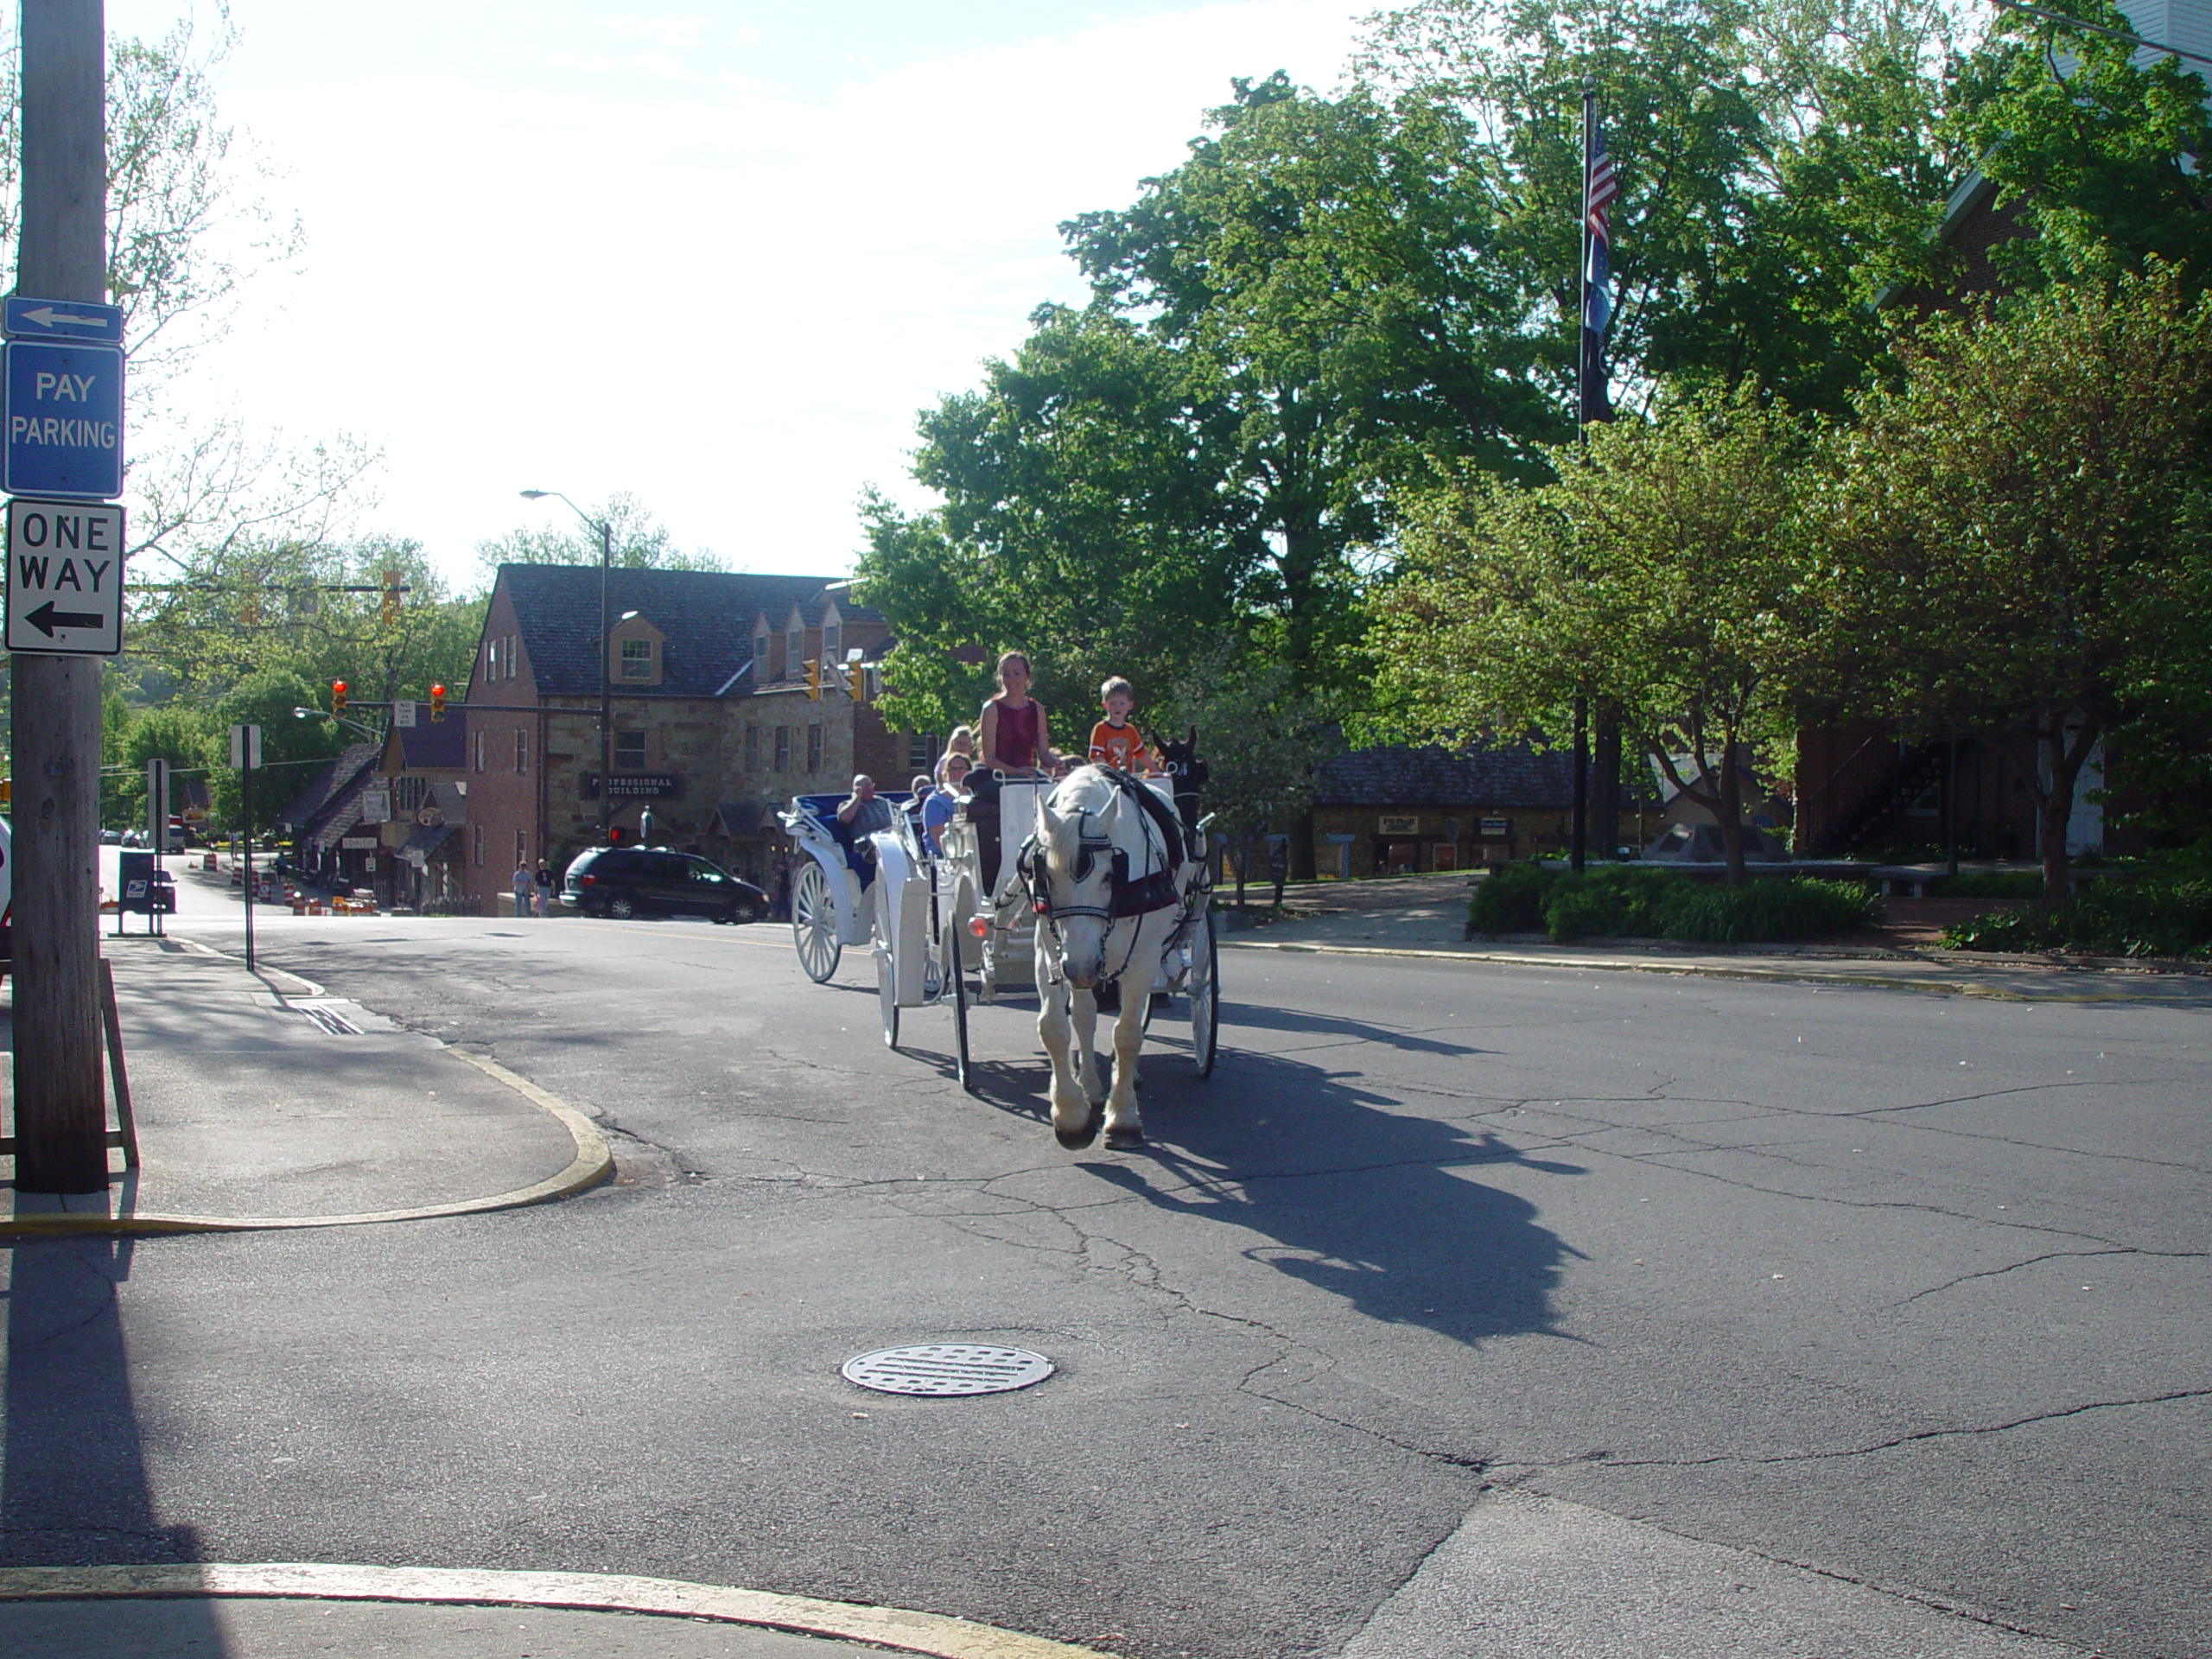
(1730, 792)
(2055, 801)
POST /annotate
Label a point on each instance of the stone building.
(715, 722)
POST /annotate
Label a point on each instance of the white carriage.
(959, 926)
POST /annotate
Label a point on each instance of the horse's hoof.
(1076, 1140)
(1124, 1140)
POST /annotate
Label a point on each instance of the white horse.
(1112, 885)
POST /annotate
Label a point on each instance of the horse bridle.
(1029, 864)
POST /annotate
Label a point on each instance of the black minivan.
(625, 881)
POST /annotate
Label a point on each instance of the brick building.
(712, 724)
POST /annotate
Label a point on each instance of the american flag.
(1598, 189)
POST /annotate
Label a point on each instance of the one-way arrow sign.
(65, 577)
(46, 618)
(23, 317)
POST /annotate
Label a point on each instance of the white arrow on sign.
(46, 316)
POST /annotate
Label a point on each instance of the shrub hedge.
(2111, 918)
(1624, 901)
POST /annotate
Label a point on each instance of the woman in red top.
(1012, 732)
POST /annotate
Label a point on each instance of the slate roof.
(440, 746)
(705, 618)
(330, 785)
(1510, 775)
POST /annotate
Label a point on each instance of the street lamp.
(606, 691)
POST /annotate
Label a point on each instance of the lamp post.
(606, 691)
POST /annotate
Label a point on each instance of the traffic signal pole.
(59, 1105)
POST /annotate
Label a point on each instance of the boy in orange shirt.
(1114, 742)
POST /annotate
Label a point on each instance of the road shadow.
(1353, 1192)
(1334, 1024)
(74, 1489)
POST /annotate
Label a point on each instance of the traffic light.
(855, 681)
(390, 613)
(437, 703)
(337, 699)
(814, 678)
(615, 835)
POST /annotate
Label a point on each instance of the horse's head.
(1075, 845)
(1179, 758)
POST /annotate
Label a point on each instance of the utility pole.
(59, 1100)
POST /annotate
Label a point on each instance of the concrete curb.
(1611, 964)
(594, 1163)
(933, 1634)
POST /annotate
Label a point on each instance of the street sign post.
(65, 578)
(64, 420)
(246, 755)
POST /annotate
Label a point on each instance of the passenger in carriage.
(963, 741)
(1114, 742)
(1012, 729)
(952, 788)
(862, 814)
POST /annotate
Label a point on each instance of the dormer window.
(794, 651)
(760, 657)
(636, 652)
(830, 636)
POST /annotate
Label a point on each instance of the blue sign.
(24, 317)
(63, 421)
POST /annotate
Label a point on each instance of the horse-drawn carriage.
(966, 925)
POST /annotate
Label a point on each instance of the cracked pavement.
(1880, 1306)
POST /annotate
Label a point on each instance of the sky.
(716, 257)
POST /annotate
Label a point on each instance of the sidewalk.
(1425, 916)
(260, 1102)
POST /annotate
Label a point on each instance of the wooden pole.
(60, 1114)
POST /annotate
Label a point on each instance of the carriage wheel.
(959, 1003)
(1205, 998)
(814, 923)
(886, 992)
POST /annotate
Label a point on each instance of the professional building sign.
(635, 786)
(1389, 826)
(1496, 829)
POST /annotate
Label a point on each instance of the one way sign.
(65, 577)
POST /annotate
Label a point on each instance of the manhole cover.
(947, 1368)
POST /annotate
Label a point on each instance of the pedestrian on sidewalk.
(525, 885)
(544, 888)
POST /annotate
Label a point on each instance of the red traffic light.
(437, 703)
(338, 697)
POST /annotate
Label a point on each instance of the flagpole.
(1578, 851)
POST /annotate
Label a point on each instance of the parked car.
(623, 881)
(111, 837)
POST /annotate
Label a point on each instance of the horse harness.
(1128, 897)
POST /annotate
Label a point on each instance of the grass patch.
(2170, 919)
(1622, 901)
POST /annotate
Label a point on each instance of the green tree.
(639, 541)
(291, 748)
(1667, 570)
(2024, 525)
(1778, 168)
(2099, 158)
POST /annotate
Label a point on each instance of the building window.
(514, 658)
(814, 748)
(479, 760)
(830, 638)
(522, 847)
(782, 748)
(522, 751)
(922, 752)
(794, 643)
(476, 833)
(630, 750)
(752, 748)
(759, 660)
(637, 659)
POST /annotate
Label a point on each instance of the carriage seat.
(860, 858)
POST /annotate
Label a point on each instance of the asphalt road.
(1905, 1289)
